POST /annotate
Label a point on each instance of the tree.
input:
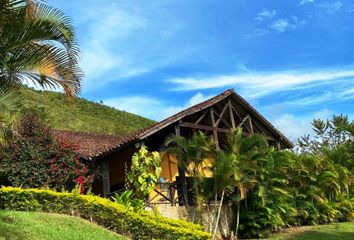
(236, 168)
(328, 133)
(37, 43)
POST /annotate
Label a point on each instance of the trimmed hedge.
(101, 211)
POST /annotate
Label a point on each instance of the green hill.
(81, 114)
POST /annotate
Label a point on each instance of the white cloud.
(265, 14)
(124, 40)
(263, 83)
(286, 24)
(98, 55)
(331, 7)
(295, 127)
(299, 127)
(315, 99)
(150, 107)
(280, 25)
(306, 1)
(141, 105)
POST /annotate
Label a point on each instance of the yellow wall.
(169, 165)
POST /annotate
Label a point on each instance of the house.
(217, 116)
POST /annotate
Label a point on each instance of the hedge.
(101, 211)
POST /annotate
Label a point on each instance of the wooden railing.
(165, 193)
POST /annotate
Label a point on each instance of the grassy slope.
(335, 231)
(82, 115)
(44, 226)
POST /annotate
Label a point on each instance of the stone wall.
(201, 215)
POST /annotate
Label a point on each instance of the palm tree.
(9, 104)
(37, 44)
(192, 154)
(236, 168)
(247, 153)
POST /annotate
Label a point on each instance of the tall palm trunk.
(218, 216)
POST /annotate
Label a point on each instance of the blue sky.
(292, 60)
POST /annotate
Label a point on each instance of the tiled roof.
(96, 145)
(89, 144)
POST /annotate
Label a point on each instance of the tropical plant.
(37, 43)
(144, 172)
(239, 161)
(9, 105)
(127, 199)
(193, 155)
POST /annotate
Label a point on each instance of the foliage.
(35, 159)
(328, 133)
(47, 226)
(10, 102)
(102, 211)
(192, 155)
(82, 115)
(311, 186)
(38, 44)
(127, 199)
(271, 189)
(144, 172)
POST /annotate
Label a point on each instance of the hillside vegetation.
(48, 226)
(82, 115)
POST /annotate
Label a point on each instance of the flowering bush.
(112, 215)
(36, 159)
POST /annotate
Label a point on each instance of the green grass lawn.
(44, 226)
(335, 231)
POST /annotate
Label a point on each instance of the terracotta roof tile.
(89, 144)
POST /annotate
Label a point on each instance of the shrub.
(36, 159)
(144, 172)
(102, 211)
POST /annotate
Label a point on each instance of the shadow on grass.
(10, 230)
(315, 235)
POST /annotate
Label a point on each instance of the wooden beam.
(105, 179)
(221, 117)
(201, 117)
(259, 127)
(231, 115)
(238, 115)
(243, 121)
(250, 123)
(204, 127)
(215, 132)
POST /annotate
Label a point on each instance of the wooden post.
(105, 179)
(215, 133)
(182, 175)
(251, 125)
(233, 124)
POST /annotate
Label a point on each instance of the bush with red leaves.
(35, 159)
